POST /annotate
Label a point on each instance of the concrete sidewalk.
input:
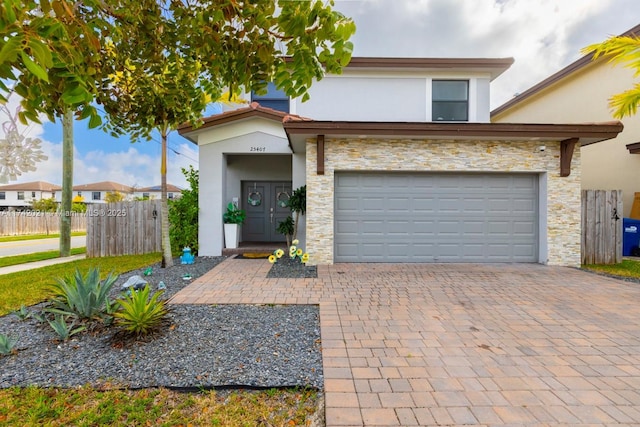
(38, 264)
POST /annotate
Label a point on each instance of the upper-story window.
(3, 195)
(274, 98)
(450, 102)
(20, 195)
(33, 194)
(95, 195)
(170, 196)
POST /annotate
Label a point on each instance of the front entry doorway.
(265, 203)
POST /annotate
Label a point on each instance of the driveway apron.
(459, 344)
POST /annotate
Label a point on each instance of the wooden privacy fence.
(123, 228)
(13, 223)
(601, 226)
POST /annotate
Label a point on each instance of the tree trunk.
(167, 258)
(67, 183)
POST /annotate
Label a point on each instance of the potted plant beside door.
(232, 218)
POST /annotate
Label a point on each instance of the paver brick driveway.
(460, 344)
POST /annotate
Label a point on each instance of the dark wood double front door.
(265, 205)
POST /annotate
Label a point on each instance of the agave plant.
(63, 329)
(7, 344)
(85, 297)
(140, 314)
(23, 313)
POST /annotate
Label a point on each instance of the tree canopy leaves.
(154, 64)
(48, 55)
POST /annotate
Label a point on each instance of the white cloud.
(542, 36)
(129, 167)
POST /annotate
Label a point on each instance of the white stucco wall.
(379, 96)
(246, 154)
(583, 98)
(11, 198)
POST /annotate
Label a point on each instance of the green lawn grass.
(37, 256)
(32, 286)
(36, 236)
(154, 407)
(627, 268)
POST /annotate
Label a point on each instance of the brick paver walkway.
(458, 344)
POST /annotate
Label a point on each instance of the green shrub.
(85, 297)
(140, 314)
(7, 344)
(286, 227)
(183, 215)
(63, 329)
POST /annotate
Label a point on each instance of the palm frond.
(625, 103)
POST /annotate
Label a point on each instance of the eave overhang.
(634, 148)
(550, 81)
(252, 111)
(569, 135)
(493, 66)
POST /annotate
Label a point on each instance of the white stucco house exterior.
(155, 192)
(401, 164)
(20, 196)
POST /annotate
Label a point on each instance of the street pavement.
(23, 247)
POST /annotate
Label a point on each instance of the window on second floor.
(3, 195)
(169, 195)
(33, 194)
(450, 100)
(95, 195)
(274, 98)
(20, 195)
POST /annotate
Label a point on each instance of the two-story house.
(20, 196)
(401, 164)
(155, 192)
(580, 93)
(96, 192)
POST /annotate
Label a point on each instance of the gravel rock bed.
(292, 269)
(203, 346)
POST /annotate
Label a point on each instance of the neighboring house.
(155, 192)
(97, 191)
(401, 165)
(20, 196)
(579, 93)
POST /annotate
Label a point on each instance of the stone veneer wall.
(563, 194)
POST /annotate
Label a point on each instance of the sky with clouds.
(542, 36)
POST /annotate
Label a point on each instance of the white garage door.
(436, 217)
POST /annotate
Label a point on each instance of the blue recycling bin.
(630, 235)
